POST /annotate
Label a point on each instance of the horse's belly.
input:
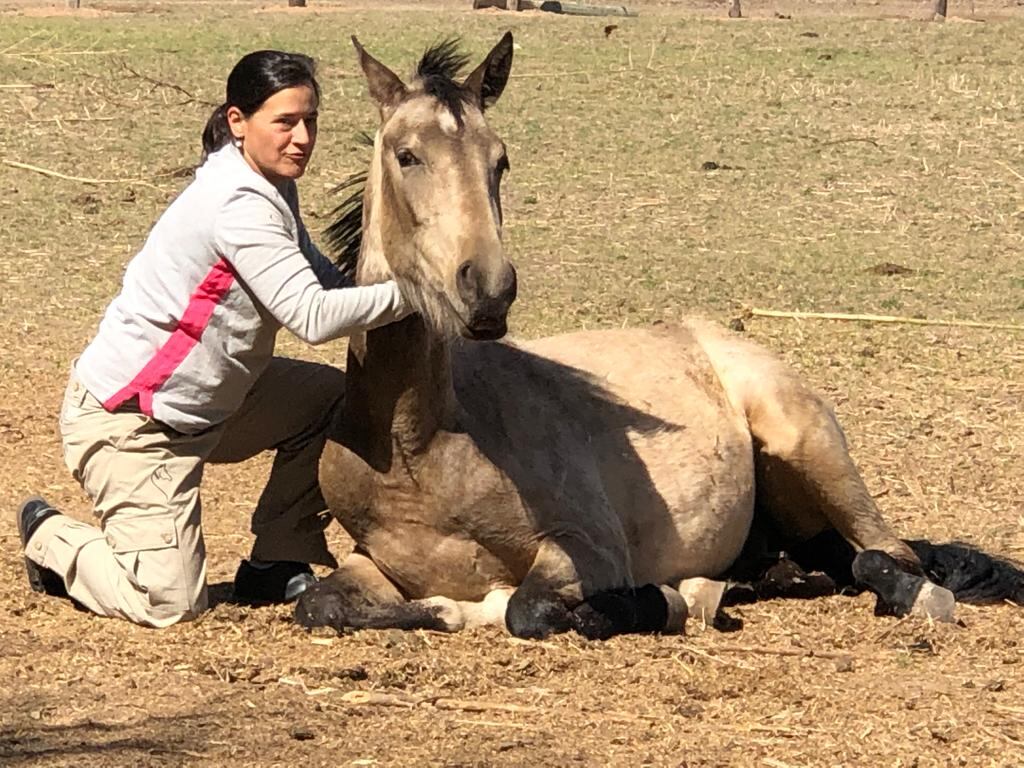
(698, 520)
(678, 467)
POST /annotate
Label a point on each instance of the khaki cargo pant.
(146, 562)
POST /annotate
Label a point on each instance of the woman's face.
(278, 138)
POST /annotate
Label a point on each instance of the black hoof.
(536, 617)
(788, 580)
(900, 593)
(723, 622)
(319, 606)
(620, 612)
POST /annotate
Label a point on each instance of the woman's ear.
(236, 122)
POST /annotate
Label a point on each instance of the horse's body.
(624, 444)
(558, 469)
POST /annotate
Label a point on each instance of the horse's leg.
(359, 596)
(574, 585)
(806, 480)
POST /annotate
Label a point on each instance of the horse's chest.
(444, 521)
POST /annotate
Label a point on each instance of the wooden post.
(734, 10)
(74, 4)
(296, 3)
(939, 10)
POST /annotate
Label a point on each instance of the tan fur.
(588, 461)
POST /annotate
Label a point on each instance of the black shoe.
(280, 582)
(32, 513)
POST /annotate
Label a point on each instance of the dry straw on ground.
(839, 141)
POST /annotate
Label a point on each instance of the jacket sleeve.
(251, 234)
(326, 272)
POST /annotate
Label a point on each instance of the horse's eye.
(406, 159)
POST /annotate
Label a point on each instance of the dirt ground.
(848, 138)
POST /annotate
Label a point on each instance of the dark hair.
(254, 79)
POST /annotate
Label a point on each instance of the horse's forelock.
(437, 75)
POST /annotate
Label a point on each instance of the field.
(868, 162)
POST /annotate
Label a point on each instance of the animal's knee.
(534, 615)
(791, 422)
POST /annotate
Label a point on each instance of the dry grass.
(853, 140)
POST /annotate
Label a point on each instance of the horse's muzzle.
(488, 300)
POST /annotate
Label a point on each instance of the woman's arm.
(326, 271)
(250, 234)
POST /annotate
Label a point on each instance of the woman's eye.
(406, 159)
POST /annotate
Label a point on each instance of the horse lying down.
(579, 481)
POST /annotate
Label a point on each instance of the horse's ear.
(488, 80)
(386, 88)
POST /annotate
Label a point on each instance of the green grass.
(873, 141)
(869, 141)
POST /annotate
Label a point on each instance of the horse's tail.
(970, 574)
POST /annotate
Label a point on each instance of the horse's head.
(432, 210)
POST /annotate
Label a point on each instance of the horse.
(580, 481)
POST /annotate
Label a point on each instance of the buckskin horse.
(577, 481)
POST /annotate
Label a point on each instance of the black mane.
(344, 237)
(437, 72)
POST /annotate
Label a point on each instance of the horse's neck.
(399, 386)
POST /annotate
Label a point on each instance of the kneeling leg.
(806, 480)
(557, 596)
(358, 595)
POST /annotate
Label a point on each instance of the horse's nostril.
(511, 286)
(465, 278)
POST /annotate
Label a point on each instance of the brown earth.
(865, 165)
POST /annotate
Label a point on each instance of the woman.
(182, 372)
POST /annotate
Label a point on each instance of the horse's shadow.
(567, 445)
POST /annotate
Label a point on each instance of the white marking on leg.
(449, 612)
(934, 602)
(489, 611)
(703, 597)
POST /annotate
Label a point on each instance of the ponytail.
(216, 133)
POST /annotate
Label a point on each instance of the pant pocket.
(75, 395)
(146, 547)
